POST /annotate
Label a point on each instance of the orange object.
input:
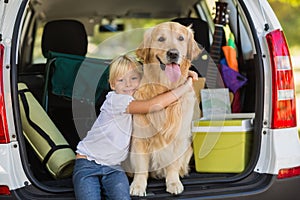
(230, 53)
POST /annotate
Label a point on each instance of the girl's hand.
(193, 75)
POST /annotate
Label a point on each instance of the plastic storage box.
(222, 145)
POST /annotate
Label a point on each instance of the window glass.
(103, 43)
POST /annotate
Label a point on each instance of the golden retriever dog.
(161, 141)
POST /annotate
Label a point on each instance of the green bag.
(78, 77)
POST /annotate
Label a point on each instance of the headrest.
(64, 36)
(200, 28)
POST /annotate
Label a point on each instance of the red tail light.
(4, 190)
(286, 173)
(283, 91)
(4, 136)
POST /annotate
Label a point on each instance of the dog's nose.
(173, 55)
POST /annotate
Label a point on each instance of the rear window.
(103, 42)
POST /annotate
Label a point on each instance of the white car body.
(279, 148)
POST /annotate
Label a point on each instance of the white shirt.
(107, 142)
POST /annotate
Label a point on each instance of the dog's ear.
(141, 52)
(194, 50)
(143, 49)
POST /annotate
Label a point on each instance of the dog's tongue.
(173, 72)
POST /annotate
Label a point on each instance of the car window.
(107, 43)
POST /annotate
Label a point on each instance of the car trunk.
(217, 175)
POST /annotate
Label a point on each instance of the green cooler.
(222, 146)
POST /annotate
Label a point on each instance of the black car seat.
(68, 37)
(64, 36)
(201, 36)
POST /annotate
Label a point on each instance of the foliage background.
(287, 12)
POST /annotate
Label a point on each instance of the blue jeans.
(93, 181)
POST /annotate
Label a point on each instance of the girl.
(97, 170)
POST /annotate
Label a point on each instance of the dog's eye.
(181, 38)
(161, 39)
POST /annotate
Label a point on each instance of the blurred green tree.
(287, 12)
(291, 2)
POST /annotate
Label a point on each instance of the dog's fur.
(161, 141)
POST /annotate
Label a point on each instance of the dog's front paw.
(175, 187)
(137, 189)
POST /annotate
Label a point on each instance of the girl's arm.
(159, 102)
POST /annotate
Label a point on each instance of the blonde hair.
(122, 65)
